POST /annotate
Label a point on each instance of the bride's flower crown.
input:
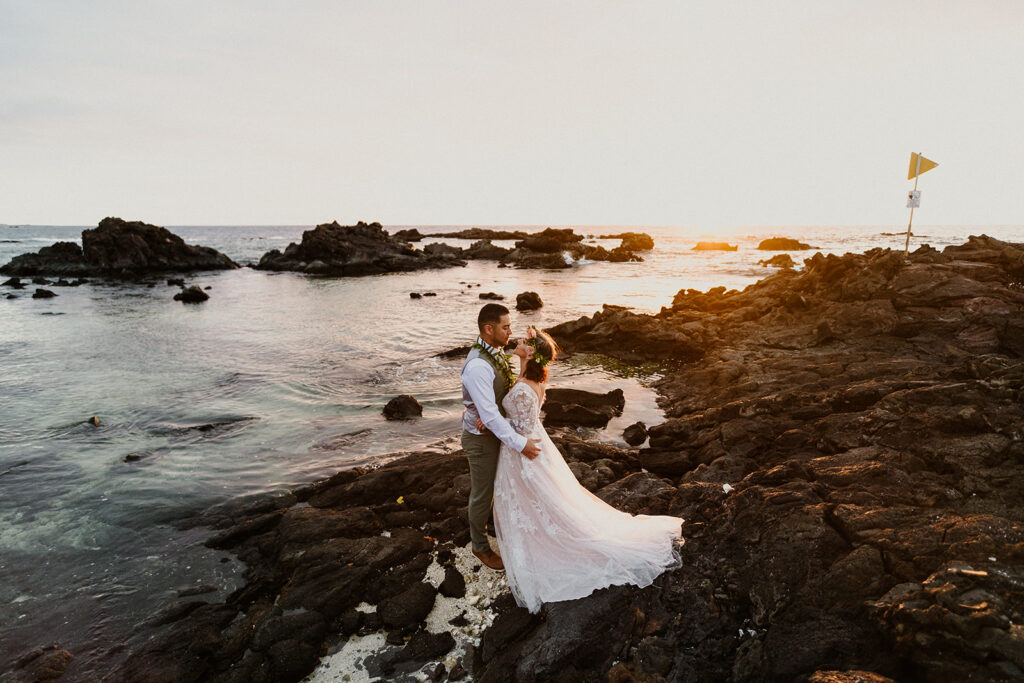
(532, 339)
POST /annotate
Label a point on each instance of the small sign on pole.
(918, 165)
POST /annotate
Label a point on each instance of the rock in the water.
(715, 246)
(573, 407)
(415, 295)
(778, 261)
(483, 249)
(361, 249)
(492, 296)
(191, 295)
(782, 244)
(403, 407)
(483, 234)
(635, 434)
(528, 301)
(43, 294)
(118, 248)
(176, 281)
(15, 282)
(633, 241)
(411, 235)
(560, 248)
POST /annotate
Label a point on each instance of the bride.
(558, 540)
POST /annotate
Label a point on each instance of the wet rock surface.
(331, 249)
(120, 249)
(844, 444)
(403, 407)
(561, 247)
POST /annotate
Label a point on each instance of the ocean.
(276, 381)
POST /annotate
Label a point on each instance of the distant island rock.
(361, 249)
(411, 235)
(715, 246)
(782, 244)
(482, 234)
(120, 249)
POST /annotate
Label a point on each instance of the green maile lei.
(498, 360)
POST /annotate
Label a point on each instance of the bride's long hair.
(545, 346)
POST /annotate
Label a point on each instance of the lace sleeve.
(521, 409)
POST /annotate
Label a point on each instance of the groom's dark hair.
(490, 314)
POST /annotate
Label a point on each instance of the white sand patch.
(347, 663)
(483, 586)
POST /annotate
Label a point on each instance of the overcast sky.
(677, 113)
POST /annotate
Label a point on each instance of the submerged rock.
(43, 294)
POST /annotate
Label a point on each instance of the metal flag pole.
(917, 176)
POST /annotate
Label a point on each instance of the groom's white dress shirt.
(478, 398)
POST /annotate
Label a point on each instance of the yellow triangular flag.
(926, 165)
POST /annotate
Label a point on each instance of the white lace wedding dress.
(558, 540)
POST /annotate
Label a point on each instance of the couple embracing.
(558, 541)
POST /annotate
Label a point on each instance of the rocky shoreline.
(844, 443)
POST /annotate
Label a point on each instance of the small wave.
(215, 427)
(336, 442)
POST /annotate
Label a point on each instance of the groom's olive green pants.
(482, 453)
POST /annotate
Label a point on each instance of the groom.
(486, 378)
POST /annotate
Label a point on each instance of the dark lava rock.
(408, 608)
(484, 250)
(454, 584)
(429, 293)
(715, 246)
(870, 529)
(403, 407)
(361, 249)
(483, 234)
(180, 282)
(191, 295)
(635, 434)
(42, 665)
(457, 352)
(492, 296)
(560, 248)
(778, 261)
(782, 244)
(424, 647)
(15, 282)
(550, 241)
(528, 301)
(633, 241)
(411, 235)
(43, 294)
(415, 295)
(118, 248)
(11, 296)
(577, 408)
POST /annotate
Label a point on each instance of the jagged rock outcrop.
(362, 249)
(843, 443)
(122, 249)
(778, 261)
(559, 248)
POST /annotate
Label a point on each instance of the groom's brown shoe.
(491, 559)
